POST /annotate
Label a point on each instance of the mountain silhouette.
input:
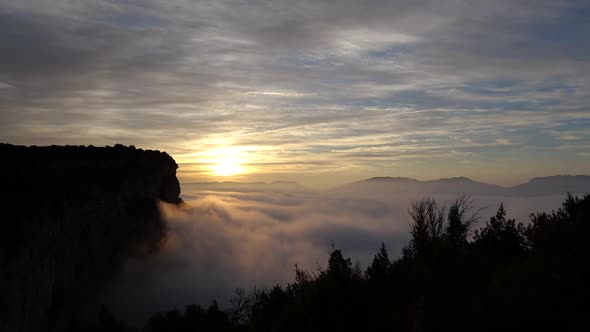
(558, 184)
(550, 185)
(407, 186)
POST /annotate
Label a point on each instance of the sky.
(319, 92)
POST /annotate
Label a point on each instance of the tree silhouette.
(240, 307)
(462, 216)
(429, 218)
(377, 271)
(339, 268)
(502, 238)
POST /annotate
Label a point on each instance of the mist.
(253, 235)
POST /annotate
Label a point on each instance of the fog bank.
(220, 240)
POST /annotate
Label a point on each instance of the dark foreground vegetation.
(502, 276)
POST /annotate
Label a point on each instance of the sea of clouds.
(222, 240)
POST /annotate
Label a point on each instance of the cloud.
(220, 241)
(294, 77)
(502, 141)
(226, 239)
(279, 93)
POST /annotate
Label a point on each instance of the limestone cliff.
(69, 215)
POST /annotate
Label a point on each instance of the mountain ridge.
(467, 179)
(547, 185)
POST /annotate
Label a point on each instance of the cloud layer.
(226, 240)
(338, 87)
(223, 240)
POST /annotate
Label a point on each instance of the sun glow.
(221, 159)
(228, 167)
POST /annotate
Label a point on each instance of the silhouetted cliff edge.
(70, 214)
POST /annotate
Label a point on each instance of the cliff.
(70, 214)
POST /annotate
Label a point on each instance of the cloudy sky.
(320, 92)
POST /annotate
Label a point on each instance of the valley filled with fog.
(230, 235)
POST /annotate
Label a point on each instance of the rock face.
(70, 214)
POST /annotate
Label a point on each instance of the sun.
(226, 161)
(228, 167)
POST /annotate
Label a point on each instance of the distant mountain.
(408, 186)
(277, 186)
(551, 185)
(390, 179)
(402, 186)
(554, 185)
(463, 185)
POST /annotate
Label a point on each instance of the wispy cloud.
(317, 81)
